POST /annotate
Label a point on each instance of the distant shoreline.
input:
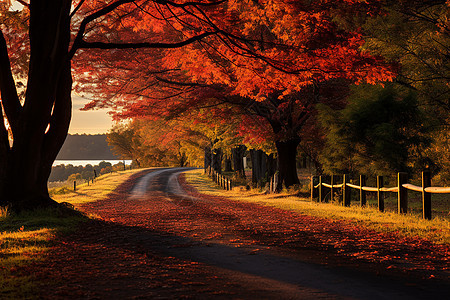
(93, 162)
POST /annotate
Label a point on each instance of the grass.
(437, 230)
(102, 186)
(24, 238)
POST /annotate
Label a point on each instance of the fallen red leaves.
(130, 254)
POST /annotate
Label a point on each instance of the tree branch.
(104, 11)
(77, 8)
(186, 4)
(101, 45)
(80, 43)
(23, 3)
(10, 99)
(180, 83)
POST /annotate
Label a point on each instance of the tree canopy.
(263, 66)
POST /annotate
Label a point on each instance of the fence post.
(74, 185)
(402, 193)
(346, 191)
(380, 194)
(320, 189)
(312, 188)
(362, 193)
(332, 188)
(426, 197)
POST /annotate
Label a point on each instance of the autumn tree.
(415, 35)
(125, 142)
(38, 45)
(378, 134)
(297, 55)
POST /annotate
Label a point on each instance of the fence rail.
(401, 189)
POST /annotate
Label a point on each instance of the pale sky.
(89, 122)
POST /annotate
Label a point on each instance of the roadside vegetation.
(25, 237)
(89, 192)
(437, 230)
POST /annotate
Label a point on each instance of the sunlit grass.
(24, 238)
(102, 186)
(436, 230)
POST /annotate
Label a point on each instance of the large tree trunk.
(40, 126)
(207, 161)
(271, 166)
(287, 167)
(263, 167)
(227, 164)
(237, 154)
(217, 160)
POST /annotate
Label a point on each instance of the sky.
(89, 122)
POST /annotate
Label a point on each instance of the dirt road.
(159, 239)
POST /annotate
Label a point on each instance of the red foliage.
(269, 57)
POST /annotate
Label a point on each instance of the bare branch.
(190, 84)
(101, 45)
(23, 3)
(187, 4)
(77, 8)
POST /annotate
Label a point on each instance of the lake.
(92, 162)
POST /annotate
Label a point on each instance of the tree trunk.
(255, 166)
(207, 161)
(182, 159)
(228, 167)
(4, 153)
(262, 165)
(40, 126)
(271, 166)
(238, 160)
(287, 169)
(217, 160)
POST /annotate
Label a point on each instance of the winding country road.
(159, 239)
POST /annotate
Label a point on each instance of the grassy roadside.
(25, 238)
(102, 186)
(437, 230)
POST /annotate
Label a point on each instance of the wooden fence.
(401, 189)
(222, 181)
